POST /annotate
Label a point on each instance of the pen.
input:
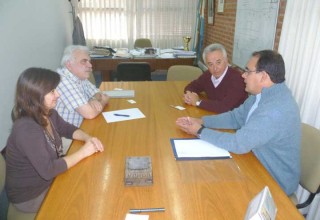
(146, 210)
(121, 115)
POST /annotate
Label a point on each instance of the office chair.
(2, 172)
(3, 196)
(310, 164)
(13, 212)
(133, 71)
(92, 79)
(142, 43)
(183, 72)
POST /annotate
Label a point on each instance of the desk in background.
(188, 190)
(107, 65)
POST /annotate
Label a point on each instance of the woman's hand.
(97, 143)
(91, 146)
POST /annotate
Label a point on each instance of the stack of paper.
(184, 54)
(123, 53)
(166, 55)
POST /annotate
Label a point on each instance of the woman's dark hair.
(271, 62)
(33, 84)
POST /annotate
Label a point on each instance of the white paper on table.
(133, 113)
(136, 217)
(178, 107)
(131, 101)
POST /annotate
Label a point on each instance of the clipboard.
(197, 149)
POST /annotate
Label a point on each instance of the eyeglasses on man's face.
(248, 72)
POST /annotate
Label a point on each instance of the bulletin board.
(255, 28)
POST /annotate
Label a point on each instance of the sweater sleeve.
(64, 128)
(234, 119)
(228, 95)
(198, 85)
(31, 140)
(258, 131)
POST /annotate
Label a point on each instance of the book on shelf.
(101, 52)
(184, 54)
(145, 56)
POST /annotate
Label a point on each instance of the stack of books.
(122, 53)
(101, 51)
(184, 54)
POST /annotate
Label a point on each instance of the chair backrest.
(183, 72)
(12, 213)
(2, 172)
(142, 43)
(92, 79)
(133, 71)
(310, 161)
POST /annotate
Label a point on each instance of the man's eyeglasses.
(247, 71)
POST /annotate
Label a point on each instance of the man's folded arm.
(94, 107)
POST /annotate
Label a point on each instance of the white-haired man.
(79, 97)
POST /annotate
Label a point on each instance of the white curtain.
(117, 23)
(300, 47)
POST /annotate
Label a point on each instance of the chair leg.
(309, 200)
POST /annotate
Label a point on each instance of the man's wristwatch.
(198, 103)
(200, 130)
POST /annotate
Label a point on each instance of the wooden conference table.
(188, 190)
(107, 65)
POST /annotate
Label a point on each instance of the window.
(117, 23)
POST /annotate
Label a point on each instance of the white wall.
(33, 33)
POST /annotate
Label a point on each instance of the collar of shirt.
(65, 72)
(216, 81)
(254, 106)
